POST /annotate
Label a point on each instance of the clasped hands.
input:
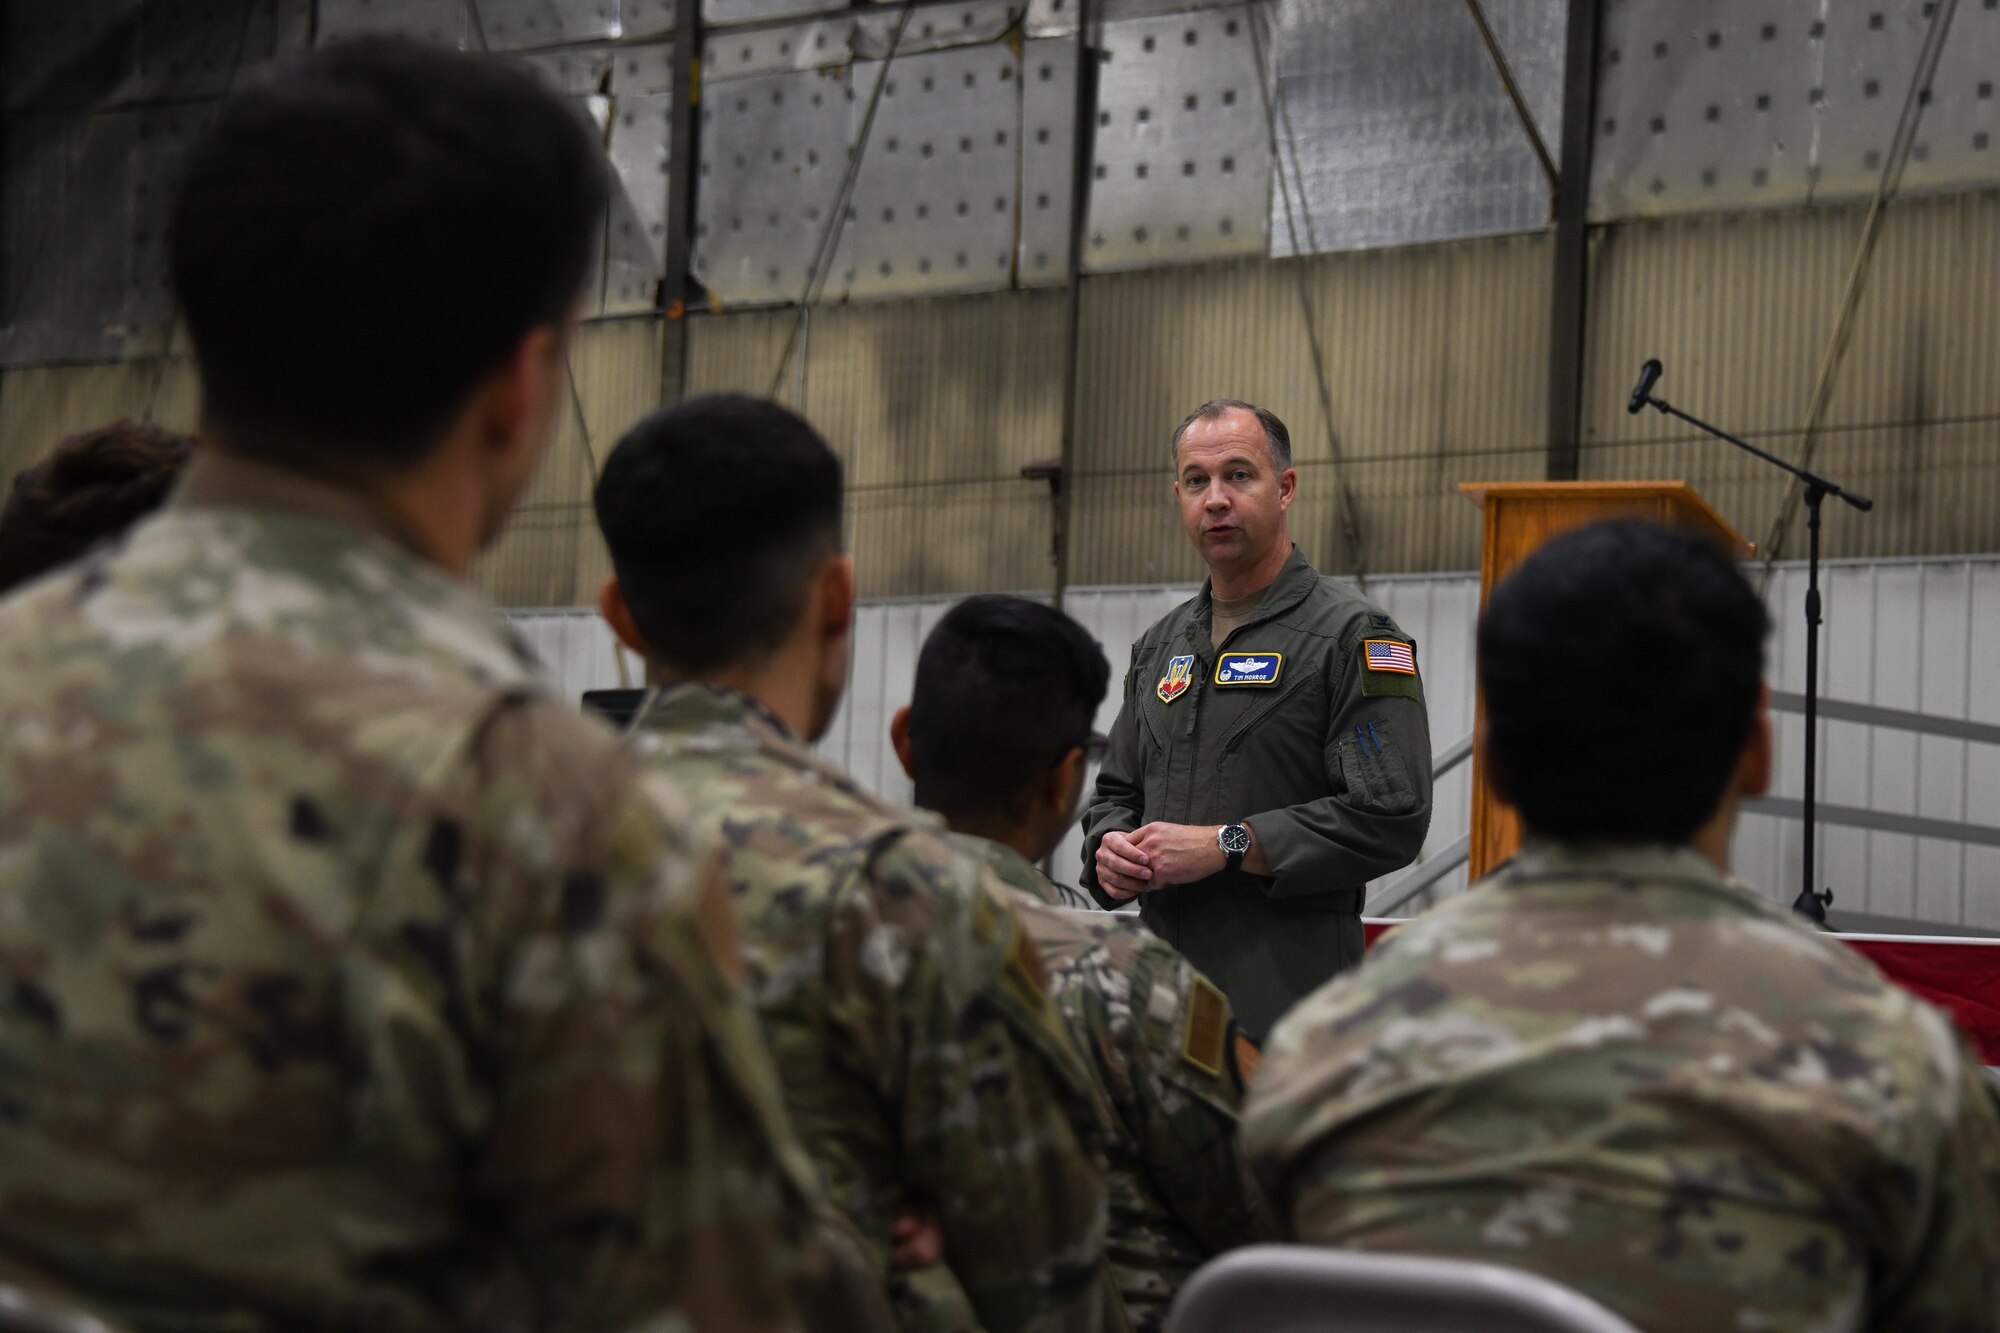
(1157, 856)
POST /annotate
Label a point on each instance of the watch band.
(1232, 857)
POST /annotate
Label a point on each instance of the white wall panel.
(1919, 635)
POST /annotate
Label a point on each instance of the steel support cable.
(1521, 112)
(1891, 180)
(1350, 523)
(829, 239)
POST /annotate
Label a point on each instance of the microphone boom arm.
(1644, 396)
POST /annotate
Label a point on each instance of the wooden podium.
(1520, 516)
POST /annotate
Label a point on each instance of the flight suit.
(1308, 725)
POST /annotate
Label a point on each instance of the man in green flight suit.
(906, 1009)
(996, 737)
(1611, 1064)
(1272, 751)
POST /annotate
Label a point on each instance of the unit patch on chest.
(1180, 674)
(1248, 668)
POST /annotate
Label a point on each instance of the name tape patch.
(1389, 655)
(1204, 1039)
(1248, 668)
(1180, 673)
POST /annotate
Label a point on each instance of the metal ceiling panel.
(1056, 18)
(65, 230)
(774, 147)
(933, 207)
(590, 70)
(1712, 105)
(1394, 127)
(72, 54)
(745, 53)
(826, 42)
(191, 49)
(636, 230)
(433, 20)
(934, 27)
(1048, 113)
(519, 25)
(1182, 169)
(162, 139)
(646, 18)
(720, 13)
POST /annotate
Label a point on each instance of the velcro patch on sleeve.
(1389, 668)
(1247, 1059)
(1205, 1039)
(1025, 961)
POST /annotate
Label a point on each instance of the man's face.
(1233, 501)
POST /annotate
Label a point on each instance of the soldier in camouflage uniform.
(350, 980)
(906, 1010)
(996, 738)
(1608, 1063)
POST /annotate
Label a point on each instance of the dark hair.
(1620, 665)
(1276, 438)
(360, 240)
(718, 513)
(93, 487)
(1005, 687)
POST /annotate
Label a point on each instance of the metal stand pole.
(1811, 902)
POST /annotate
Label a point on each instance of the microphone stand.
(1811, 902)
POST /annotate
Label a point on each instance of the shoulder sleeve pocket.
(1374, 767)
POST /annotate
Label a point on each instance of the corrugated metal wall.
(1435, 357)
(1906, 634)
(934, 406)
(1740, 309)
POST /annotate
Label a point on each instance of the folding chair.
(22, 1311)
(1304, 1289)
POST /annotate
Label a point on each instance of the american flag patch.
(1389, 655)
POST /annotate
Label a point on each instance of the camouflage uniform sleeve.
(997, 1113)
(624, 1134)
(1950, 1279)
(1185, 1097)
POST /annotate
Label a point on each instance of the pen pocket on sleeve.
(1372, 764)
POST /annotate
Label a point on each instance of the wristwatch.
(1234, 840)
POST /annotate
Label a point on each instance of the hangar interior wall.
(1435, 356)
(1916, 635)
(1248, 159)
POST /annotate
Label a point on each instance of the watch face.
(1235, 838)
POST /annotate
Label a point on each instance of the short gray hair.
(1276, 438)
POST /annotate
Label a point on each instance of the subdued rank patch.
(1180, 672)
(1206, 1036)
(1248, 668)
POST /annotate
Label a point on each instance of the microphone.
(1649, 375)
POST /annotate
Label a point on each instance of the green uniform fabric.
(1615, 1068)
(351, 980)
(920, 1054)
(1332, 803)
(1179, 1188)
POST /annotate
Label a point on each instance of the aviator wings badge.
(1180, 671)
